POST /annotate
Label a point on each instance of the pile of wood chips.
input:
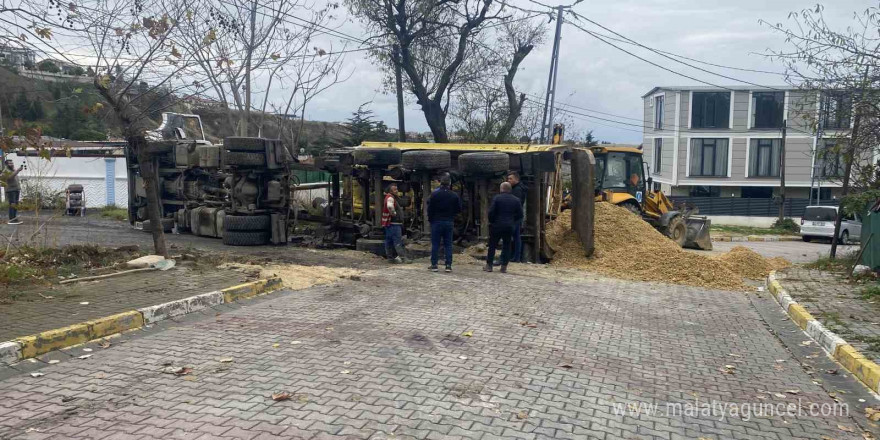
(628, 247)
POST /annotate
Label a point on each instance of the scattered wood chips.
(630, 248)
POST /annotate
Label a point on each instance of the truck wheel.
(244, 144)
(632, 207)
(806, 238)
(246, 223)
(167, 225)
(245, 159)
(426, 160)
(245, 238)
(676, 230)
(376, 157)
(483, 164)
(844, 237)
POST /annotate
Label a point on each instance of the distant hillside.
(67, 110)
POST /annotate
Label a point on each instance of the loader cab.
(621, 170)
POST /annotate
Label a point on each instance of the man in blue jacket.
(443, 205)
(504, 213)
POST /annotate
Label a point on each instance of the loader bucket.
(698, 233)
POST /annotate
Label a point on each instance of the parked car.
(818, 222)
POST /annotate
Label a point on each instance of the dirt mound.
(628, 247)
(750, 264)
(294, 276)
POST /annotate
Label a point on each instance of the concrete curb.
(27, 347)
(861, 367)
(742, 238)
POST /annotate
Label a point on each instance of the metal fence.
(748, 207)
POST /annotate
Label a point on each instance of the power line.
(578, 16)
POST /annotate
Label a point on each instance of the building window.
(829, 158)
(757, 192)
(819, 194)
(708, 158)
(658, 154)
(710, 110)
(705, 191)
(767, 109)
(836, 111)
(764, 157)
(658, 112)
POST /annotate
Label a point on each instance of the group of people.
(444, 204)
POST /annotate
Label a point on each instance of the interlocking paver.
(412, 374)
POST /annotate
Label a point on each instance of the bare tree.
(436, 39)
(842, 67)
(136, 53)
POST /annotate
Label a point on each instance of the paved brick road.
(387, 357)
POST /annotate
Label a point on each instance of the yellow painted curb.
(860, 366)
(800, 315)
(251, 289)
(775, 287)
(110, 325)
(44, 342)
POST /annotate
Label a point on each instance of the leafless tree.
(842, 68)
(436, 40)
(136, 53)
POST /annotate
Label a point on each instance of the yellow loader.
(620, 179)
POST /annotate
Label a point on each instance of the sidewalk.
(837, 304)
(44, 308)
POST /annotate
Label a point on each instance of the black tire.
(844, 237)
(244, 144)
(427, 160)
(483, 164)
(806, 238)
(632, 207)
(245, 238)
(676, 230)
(246, 223)
(245, 159)
(376, 157)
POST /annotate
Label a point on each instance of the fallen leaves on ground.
(873, 414)
(105, 344)
(177, 371)
(845, 428)
(522, 415)
(468, 333)
(278, 397)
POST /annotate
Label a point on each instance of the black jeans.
(12, 198)
(505, 234)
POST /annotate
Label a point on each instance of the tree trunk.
(850, 157)
(148, 173)
(134, 128)
(514, 105)
(436, 120)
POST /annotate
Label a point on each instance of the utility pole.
(401, 129)
(550, 98)
(782, 174)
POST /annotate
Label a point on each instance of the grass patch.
(749, 230)
(34, 266)
(843, 263)
(870, 292)
(114, 212)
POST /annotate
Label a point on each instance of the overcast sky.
(599, 77)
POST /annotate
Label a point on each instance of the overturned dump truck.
(359, 175)
(238, 191)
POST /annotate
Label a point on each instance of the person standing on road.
(9, 179)
(443, 205)
(504, 213)
(393, 225)
(520, 190)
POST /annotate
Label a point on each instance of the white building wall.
(90, 172)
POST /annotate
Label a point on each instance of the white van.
(818, 222)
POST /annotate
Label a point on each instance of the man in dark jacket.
(504, 213)
(443, 205)
(520, 190)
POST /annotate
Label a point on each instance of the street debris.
(105, 344)
(225, 360)
(793, 391)
(295, 276)
(37, 374)
(177, 371)
(728, 369)
(87, 350)
(873, 414)
(806, 343)
(468, 333)
(345, 372)
(278, 397)
(845, 428)
(463, 357)
(632, 255)
(54, 361)
(85, 356)
(779, 395)
(276, 345)
(84, 303)
(295, 342)
(565, 366)
(522, 415)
